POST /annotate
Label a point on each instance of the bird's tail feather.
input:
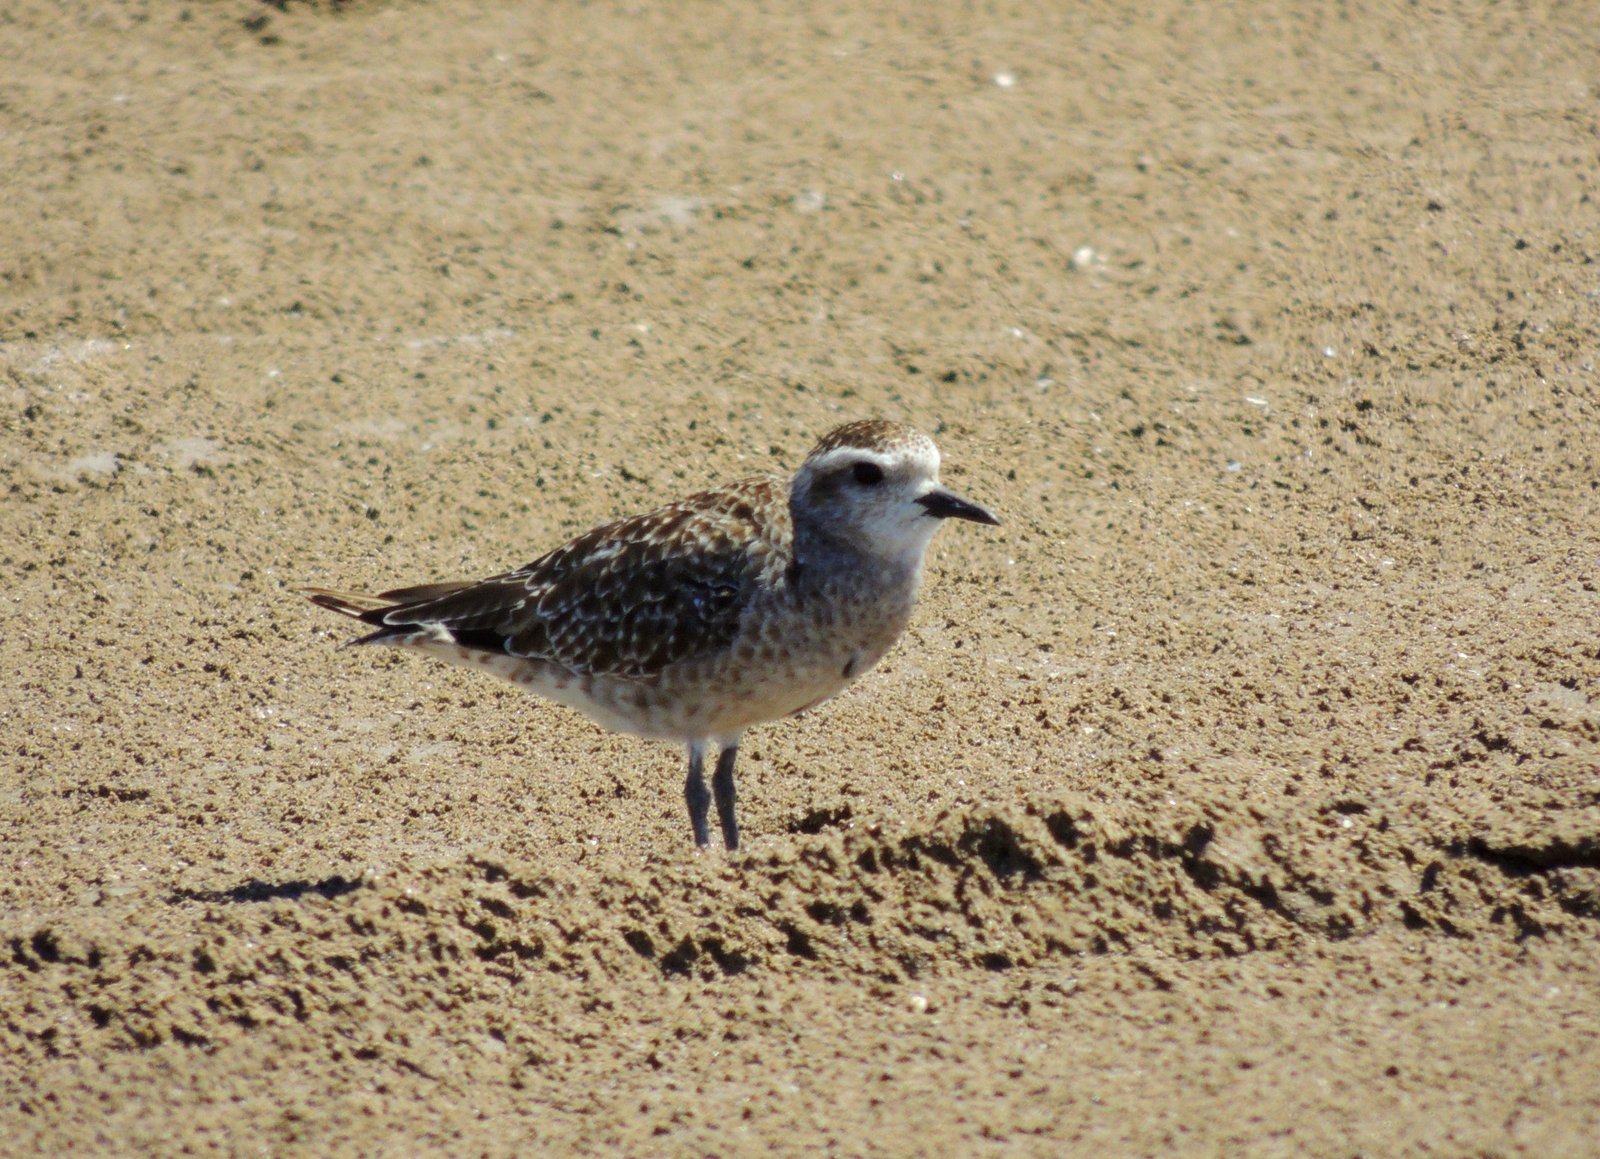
(356, 605)
(374, 609)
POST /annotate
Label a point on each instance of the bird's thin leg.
(696, 793)
(722, 786)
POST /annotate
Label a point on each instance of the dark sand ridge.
(1240, 795)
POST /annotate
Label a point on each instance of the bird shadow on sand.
(256, 890)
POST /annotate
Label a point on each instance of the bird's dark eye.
(868, 474)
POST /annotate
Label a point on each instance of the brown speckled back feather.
(626, 599)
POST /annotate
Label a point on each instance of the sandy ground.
(1238, 796)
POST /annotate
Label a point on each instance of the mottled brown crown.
(881, 435)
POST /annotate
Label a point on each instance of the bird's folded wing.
(626, 599)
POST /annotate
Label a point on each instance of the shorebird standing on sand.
(694, 621)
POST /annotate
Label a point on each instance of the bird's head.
(874, 485)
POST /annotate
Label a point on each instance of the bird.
(695, 621)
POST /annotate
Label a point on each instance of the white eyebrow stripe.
(890, 460)
(851, 455)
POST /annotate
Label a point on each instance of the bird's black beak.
(949, 505)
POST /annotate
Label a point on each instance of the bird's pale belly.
(792, 665)
(720, 698)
